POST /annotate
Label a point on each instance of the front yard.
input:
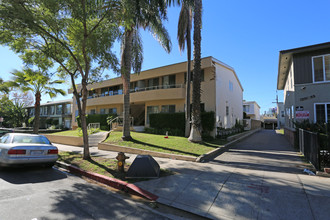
(158, 143)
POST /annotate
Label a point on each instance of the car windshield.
(26, 139)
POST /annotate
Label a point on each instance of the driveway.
(266, 150)
(259, 178)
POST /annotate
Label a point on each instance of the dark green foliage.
(97, 118)
(208, 121)
(174, 123)
(162, 131)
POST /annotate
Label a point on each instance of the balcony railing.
(120, 92)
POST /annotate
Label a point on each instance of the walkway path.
(258, 178)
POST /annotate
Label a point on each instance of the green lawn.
(172, 145)
(74, 133)
(101, 165)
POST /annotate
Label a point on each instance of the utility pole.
(277, 112)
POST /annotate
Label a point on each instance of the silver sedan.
(26, 149)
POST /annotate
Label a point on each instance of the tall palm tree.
(147, 14)
(184, 36)
(38, 82)
(196, 130)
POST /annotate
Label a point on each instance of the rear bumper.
(28, 160)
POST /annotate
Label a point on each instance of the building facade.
(163, 90)
(58, 113)
(304, 75)
(252, 109)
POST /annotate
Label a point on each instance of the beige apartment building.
(163, 90)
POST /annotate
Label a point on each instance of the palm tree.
(39, 83)
(196, 130)
(184, 36)
(147, 14)
(3, 87)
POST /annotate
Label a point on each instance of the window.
(246, 108)
(93, 111)
(105, 91)
(168, 108)
(169, 81)
(151, 110)
(231, 86)
(321, 68)
(153, 83)
(46, 110)
(102, 111)
(322, 112)
(31, 112)
(58, 109)
(227, 110)
(113, 111)
(52, 110)
(67, 109)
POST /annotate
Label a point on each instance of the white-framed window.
(246, 108)
(321, 112)
(321, 68)
(102, 111)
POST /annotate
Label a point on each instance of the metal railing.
(309, 146)
(120, 92)
(93, 126)
(118, 121)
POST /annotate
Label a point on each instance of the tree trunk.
(82, 114)
(196, 130)
(126, 60)
(187, 129)
(36, 113)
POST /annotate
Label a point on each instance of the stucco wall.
(68, 140)
(225, 97)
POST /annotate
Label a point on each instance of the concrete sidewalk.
(258, 178)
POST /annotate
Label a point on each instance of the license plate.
(36, 152)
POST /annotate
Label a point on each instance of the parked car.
(4, 131)
(26, 149)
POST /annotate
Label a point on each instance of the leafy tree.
(196, 130)
(147, 14)
(38, 82)
(13, 112)
(77, 35)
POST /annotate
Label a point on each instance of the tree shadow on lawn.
(165, 148)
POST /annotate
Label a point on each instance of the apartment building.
(252, 109)
(60, 113)
(304, 75)
(163, 90)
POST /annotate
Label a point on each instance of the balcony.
(140, 95)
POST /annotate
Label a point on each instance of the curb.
(212, 154)
(112, 182)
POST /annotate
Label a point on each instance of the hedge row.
(97, 118)
(176, 121)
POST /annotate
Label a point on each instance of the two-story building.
(163, 90)
(304, 75)
(252, 109)
(57, 112)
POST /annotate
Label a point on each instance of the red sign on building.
(302, 114)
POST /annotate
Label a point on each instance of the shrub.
(174, 123)
(97, 118)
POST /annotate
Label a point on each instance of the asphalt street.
(39, 193)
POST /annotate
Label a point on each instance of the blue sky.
(246, 35)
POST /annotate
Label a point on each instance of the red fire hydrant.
(121, 157)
